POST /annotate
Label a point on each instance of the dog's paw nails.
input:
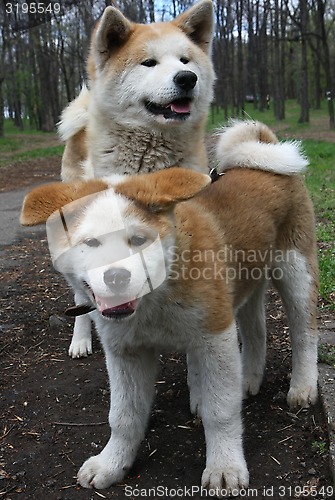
(94, 474)
(225, 481)
(302, 397)
(81, 348)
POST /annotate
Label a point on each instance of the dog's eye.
(92, 242)
(137, 241)
(149, 63)
(184, 60)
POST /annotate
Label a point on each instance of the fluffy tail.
(75, 117)
(251, 144)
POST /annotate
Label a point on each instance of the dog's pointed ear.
(111, 32)
(198, 24)
(161, 190)
(42, 201)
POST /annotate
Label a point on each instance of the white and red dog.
(145, 108)
(146, 105)
(221, 243)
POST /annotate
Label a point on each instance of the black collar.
(214, 175)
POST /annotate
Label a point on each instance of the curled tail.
(251, 144)
(75, 117)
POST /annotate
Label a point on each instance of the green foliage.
(327, 354)
(289, 126)
(40, 153)
(320, 180)
(320, 447)
(28, 144)
(11, 129)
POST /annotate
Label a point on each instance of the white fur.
(252, 327)
(125, 138)
(81, 343)
(295, 288)
(75, 116)
(239, 146)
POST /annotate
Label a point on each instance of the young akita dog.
(150, 87)
(219, 249)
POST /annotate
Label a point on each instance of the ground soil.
(54, 409)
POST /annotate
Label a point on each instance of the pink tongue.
(180, 107)
(113, 304)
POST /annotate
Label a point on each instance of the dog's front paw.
(252, 384)
(302, 397)
(96, 473)
(252, 379)
(80, 348)
(225, 480)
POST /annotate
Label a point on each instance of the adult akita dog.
(150, 87)
(219, 245)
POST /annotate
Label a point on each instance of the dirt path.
(318, 131)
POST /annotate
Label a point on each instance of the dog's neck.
(130, 151)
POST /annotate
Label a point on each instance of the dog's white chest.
(165, 326)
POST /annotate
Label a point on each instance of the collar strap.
(214, 175)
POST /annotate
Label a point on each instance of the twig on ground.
(74, 424)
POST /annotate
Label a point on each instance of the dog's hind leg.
(252, 329)
(193, 381)
(81, 343)
(295, 280)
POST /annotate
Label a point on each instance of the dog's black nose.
(117, 280)
(185, 80)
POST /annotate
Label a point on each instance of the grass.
(320, 181)
(320, 447)
(18, 146)
(12, 129)
(327, 354)
(290, 124)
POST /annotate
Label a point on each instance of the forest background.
(263, 51)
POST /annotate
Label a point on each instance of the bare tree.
(321, 9)
(304, 99)
(278, 70)
(282, 48)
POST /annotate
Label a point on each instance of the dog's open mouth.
(109, 310)
(108, 307)
(179, 109)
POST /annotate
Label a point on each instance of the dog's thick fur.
(220, 247)
(150, 87)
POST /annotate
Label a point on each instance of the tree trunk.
(240, 72)
(304, 100)
(326, 64)
(278, 76)
(2, 132)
